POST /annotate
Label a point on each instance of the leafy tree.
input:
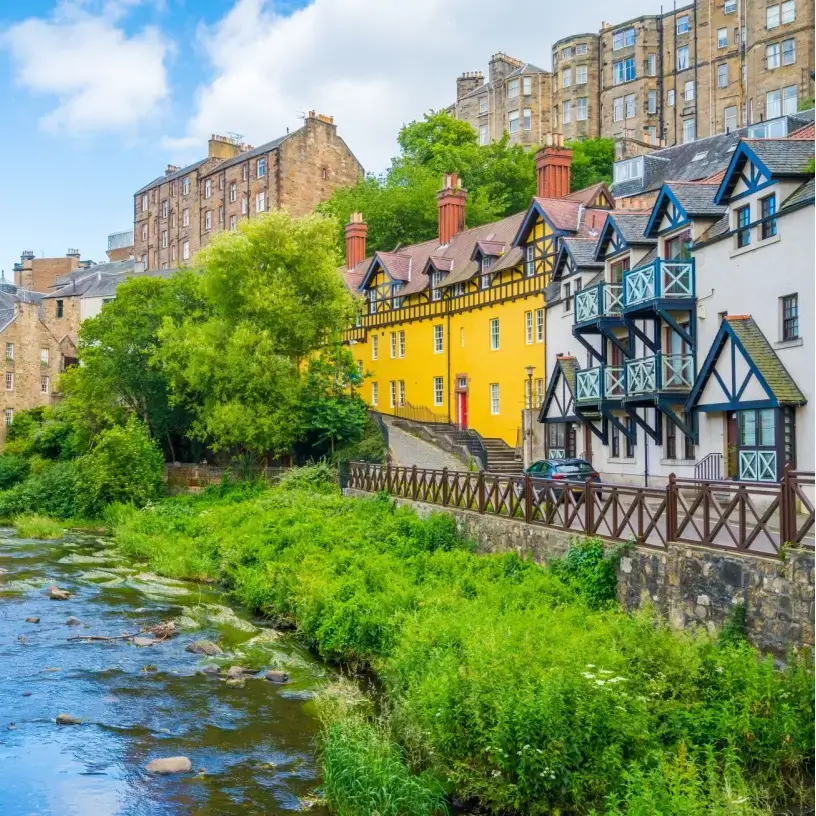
(273, 297)
(592, 161)
(400, 205)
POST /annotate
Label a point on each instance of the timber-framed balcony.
(603, 383)
(650, 379)
(659, 286)
(604, 301)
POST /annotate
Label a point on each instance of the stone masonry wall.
(690, 586)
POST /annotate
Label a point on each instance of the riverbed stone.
(72, 621)
(169, 765)
(277, 676)
(143, 641)
(236, 673)
(68, 719)
(33, 619)
(211, 668)
(57, 594)
(235, 682)
(205, 647)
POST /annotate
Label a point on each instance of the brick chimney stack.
(553, 168)
(356, 231)
(451, 200)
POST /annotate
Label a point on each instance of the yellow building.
(452, 329)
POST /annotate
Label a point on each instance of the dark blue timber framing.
(678, 218)
(758, 178)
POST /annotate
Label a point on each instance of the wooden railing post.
(589, 507)
(481, 492)
(388, 478)
(444, 487)
(413, 482)
(671, 508)
(528, 499)
(787, 508)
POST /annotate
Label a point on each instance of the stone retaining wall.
(688, 585)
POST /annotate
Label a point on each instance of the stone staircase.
(501, 458)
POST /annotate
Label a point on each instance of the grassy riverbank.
(504, 683)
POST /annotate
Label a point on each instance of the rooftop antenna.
(238, 138)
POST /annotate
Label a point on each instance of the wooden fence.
(750, 517)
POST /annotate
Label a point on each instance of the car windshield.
(576, 468)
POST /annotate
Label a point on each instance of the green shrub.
(13, 470)
(38, 527)
(124, 466)
(51, 492)
(590, 570)
(320, 477)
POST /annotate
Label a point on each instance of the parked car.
(574, 472)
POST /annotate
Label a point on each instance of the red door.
(463, 409)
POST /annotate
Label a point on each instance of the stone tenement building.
(40, 274)
(175, 215)
(658, 79)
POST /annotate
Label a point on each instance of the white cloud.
(103, 78)
(372, 64)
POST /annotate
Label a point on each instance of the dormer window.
(436, 282)
(396, 302)
(487, 262)
(629, 169)
(529, 261)
(372, 301)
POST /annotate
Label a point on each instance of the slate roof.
(251, 154)
(588, 195)
(112, 267)
(582, 251)
(632, 226)
(717, 230)
(103, 280)
(783, 157)
(172, 176)
(527, 68)
(765, 359)
(802, 195)
(697, 198)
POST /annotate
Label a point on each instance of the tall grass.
(517, 686)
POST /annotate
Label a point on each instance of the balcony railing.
(602, 382)
(660, 280)
(661, 372)
(601, 300)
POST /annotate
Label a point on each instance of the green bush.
(320, 477)
(590, 570)
(51, 492)
(124, 466)
(13, 470)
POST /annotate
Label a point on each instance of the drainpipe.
(696, 83)
(451, 390)
(645, 455)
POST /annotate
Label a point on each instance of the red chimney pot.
(553, 171)
(356, 232)
(451, 201)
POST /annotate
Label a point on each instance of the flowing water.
(252, 748)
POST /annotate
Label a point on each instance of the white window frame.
(580, 74)
(513, 121)
(683, 24)
(773, 104)
(495, 337)
(528, 328)
(539, 323)
(44, 355)
(401, 338)
(207, 188)
(581, 109)
(733, 117)
(512, 88)
(375, 393)
(581, 49)
(526, 86)
(790, 51)
(529, 260)
(233, 191)
(208, 220)
(683, 58)
(773, 56)
(438, 339)
(144, 232)
(722, 38)
(244, 205)
(688, 91)
(790, 92)
(566, 78)
(10, 351)
(260, 202)
(670, 94)
(375, 347)
(260, 167)
(185, 251)
(439, 390)
(651, 101)
(482, 105)
(651, 64)
(566, 111)
(495, 399)
(185, 186)
(164, 239)
(401, 393)
(233, 222)
(9, 381)
(392, 393)
(722, 75)
(484, 135)
(630, 106)
(788, 12)
(527, 118)
(689, 130)
(144, 202)
(393, 347)
(772, 17)
(617, 109)
(8, 417)
(730, 6)
(185, 218)
(45, 384)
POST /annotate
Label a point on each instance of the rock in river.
(169, 765)
(68, 719)
(235, 673)
(72, 621)
(275, 676)
(57, 594)
(32, 620)
(211, 668)
(235, 682)
(206, 647)
(143, 641)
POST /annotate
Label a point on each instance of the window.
(436, 292)
(528, 328)
(185, 251)
(722, 38)
(790, 317)
(185, 218)
(233, 222)
(539, 392)
(688, 93)
(8, 416)
(789, 100)
(772, 17)
(617, 109)
(375, 346)
(220, 213)
(772, 53)
(208, 220)
(567, 115)
(628, 169)
(683, 24)
(401, 393)
(623, 71)
(164, 239)
(402, 343)
(485, 281)
(393, 345)
(652, 132)
(144, 203)
(630, 444)
(529, 260)
(528, 119)
(9, 352)
(482, 104)
(233, 191)
(207, 188)
(438, 339)
(566, 78)
(730, 118)
(581, 109)
(45, 384)
(722, 75)
(392, 387)
(566, 53)
(513, 120)
(743, 215)
(245, 171)
(185, 186)
(789, 51)
(688, 131)
(221, 181)
(651, 64)
(651, 102)
(144, 232)
(260, 167)
(670, 97)
(581, 49)
(483, 137)
(9, 381)
(260, 202)
(789, 11)
(512, 89)
(165, 208)
(494, 334)
(682, 58)
(439, 391)
(567, 297)
(539, 321)
(631, 105)
(375, 394)
(494, 399)
(623, 38)
(767, 210)
(244, 205)
(581, 75)
(615, 442)
(773, 104)
(60, 308)
(730, 6)
(527, 85)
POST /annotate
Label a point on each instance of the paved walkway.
(408, 450)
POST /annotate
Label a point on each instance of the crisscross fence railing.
(760, 518)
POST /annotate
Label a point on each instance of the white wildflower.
(600, 682)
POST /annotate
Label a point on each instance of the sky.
(99, 96)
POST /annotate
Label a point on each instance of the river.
(252, 748)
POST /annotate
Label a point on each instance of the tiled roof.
(765, 359)
(717, 230)
(806, 132)
(569, 365)
(489, 247)
(588, 195)
(802, 195)
(697, 198)
(172, 176)
(783, 157)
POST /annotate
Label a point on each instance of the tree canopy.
(592, 161)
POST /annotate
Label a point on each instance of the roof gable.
(559, 404)
(620, 231)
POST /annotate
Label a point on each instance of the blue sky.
(100, 95)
